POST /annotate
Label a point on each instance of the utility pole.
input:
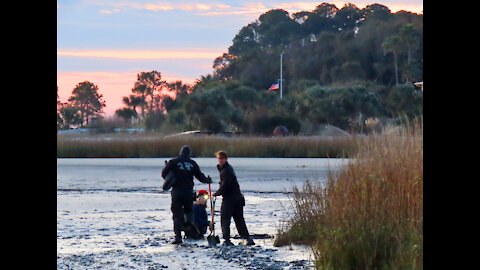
(281, 79)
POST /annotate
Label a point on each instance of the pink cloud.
(292, 7)
(256, 7)
(186, 53)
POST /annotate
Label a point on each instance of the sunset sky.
(108, 42)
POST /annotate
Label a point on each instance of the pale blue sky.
(109, 41)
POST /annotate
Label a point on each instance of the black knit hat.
(185, 151)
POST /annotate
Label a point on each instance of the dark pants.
(229, 209)
(202, 230)
(182, 202)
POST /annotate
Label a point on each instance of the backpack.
(169, 180)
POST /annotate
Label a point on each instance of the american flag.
(273, 87)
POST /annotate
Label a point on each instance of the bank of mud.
(133, 230)
(158, 253)
(112, 214)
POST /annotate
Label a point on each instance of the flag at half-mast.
(273, 87)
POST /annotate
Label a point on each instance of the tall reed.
(370, 214)
(202, 146)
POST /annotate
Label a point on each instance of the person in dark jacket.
(182, 190)
(200, 217)
(233, 200)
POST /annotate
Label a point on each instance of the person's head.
(185, 151)
(221, 157)
(202, 197)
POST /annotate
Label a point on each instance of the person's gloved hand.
(209, 180)
(211, 226)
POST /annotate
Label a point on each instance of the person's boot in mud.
(227, 243)
(250, 241)
(177, 240)
(177, 230)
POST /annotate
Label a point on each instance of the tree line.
(346, 67)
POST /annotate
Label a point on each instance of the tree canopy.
(341, 66)
(87, 99)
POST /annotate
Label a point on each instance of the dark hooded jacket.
(184, 168)
(229, 188)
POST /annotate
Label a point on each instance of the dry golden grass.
(370, 215)
(151, 145)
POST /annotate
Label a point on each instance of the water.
(112, 213)
(130, 175)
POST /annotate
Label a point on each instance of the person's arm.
(225, 184)
(199, 175)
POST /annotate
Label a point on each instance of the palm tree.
(126, 114)
(133, 101)
(409, 37)
(139, 91)
(202, 82)
(178, 87)
(393, 44)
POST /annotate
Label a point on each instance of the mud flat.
(113, 215)
(133, 230)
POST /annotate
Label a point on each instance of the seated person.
(200, 218)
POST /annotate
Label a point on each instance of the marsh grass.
(369, 215)
(151, 145)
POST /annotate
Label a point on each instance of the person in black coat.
(233, 200)
(184, 169)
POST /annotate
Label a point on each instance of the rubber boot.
(178, 240)
(227, 243)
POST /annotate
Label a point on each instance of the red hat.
(202, 191)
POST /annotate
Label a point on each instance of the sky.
(108, 42)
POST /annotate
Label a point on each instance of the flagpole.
(281, 80)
